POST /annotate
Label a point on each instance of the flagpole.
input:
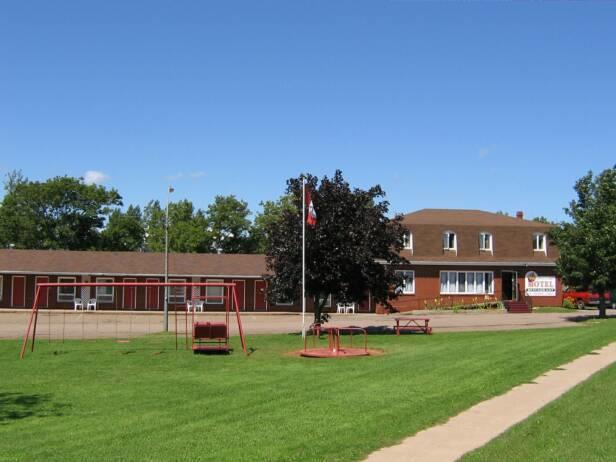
(303, 257)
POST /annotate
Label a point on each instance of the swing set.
(205, 336)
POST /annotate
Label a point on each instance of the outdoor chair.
(91, 304)
(199, 304)
(78, 304)
(340, 308)
(189, 306)
(350, 308)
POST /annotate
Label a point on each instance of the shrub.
(569, 303)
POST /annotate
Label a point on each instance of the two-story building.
(466, 256)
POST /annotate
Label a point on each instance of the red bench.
(413, 324)
(210, 336)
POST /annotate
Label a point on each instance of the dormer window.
(449, 240)
(485, 242)
(407, 240)
(539, 242)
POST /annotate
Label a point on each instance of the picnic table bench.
(413, 324)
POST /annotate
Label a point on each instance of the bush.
(569, 303)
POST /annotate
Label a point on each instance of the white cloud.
(198, 174)
(176, 177)
(95, 177)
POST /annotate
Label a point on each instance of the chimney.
(519, 215)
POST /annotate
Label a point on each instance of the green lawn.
(578, 426)
(554, 309)
(143, 400)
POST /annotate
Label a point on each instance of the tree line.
(65, 213)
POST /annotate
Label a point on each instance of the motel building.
(455, 257)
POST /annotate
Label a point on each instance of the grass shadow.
(17, 406)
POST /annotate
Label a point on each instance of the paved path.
(483, 422)
(100, 324)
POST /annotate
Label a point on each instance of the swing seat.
(210, 336)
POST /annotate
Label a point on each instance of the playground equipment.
(335, 349)
(205, 336)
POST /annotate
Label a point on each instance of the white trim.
(254, 300)
(153, 275)
(147, 289)
(327, 305)
(491, 290)
(481, 263)
(481, 241)
(407, 240)
(134, 307)
(103, 298)
(455, 241)
(544, 248)
(67, 280)
(175, 297)
(214, 302)
(13, 291)
(403, 287)
(243, 281)
(46, 290)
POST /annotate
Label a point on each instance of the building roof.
(453, 217)
(129, 263)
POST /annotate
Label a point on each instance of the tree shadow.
(17, 406)
(586, 318)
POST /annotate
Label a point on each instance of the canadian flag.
(311, 219)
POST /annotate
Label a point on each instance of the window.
(177, 294)
(539, 242)
(328, 301)
(467, 282)
(214, 291)
(408, 284)
(449, 240)
(104, 294)
(284, 302)
(67, 293)
(407, 240)
(485, 241)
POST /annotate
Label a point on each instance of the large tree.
(352, 249)
(124, 231)
(587, 244)
(59, 213)
(229, 226)
(271, 213)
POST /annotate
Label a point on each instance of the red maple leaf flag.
(311, 218)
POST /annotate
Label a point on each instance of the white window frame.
(219, 301)
(105, 297)
(455, 241)
(544, 247)
(328, 301)
(482, 237)
(1, 285)
(403, 289)
(64, 297)
(177, 299)
(466, 290)
(407, 240)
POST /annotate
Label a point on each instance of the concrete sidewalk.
(485, 421)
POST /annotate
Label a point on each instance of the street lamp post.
(166, 306)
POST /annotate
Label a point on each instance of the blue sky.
(488, 105)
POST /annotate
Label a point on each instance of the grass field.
(143, 400)
(578, 426)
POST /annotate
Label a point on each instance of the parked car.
(583, 299)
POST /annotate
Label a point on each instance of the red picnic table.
(413, 324)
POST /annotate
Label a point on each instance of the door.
(43, 301)
(18, 292)
(152, 296)
(509, 280)
(260, 295)
(364, 305)
(240, 288)
(129, 295)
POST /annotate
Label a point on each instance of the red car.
(581, 299)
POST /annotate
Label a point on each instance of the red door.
(43, 301)
(152, 296)
(129, 298)
(260, 295)
(18, 294)
(240, 288)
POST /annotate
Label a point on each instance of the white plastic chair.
(91, 304)
(340, 308)
(350, 308)
(189, 306)
(77, 304)
(199, 304)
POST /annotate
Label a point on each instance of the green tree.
(587, 244)
(229, 226)
(542, 219)
(124, 231)
(352, 249)
(187, 228)
(60, 213)
(272, 213)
